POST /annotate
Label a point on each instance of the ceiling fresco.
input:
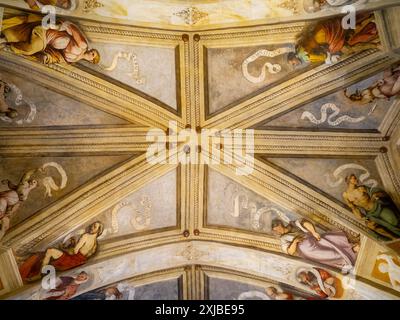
(122, 156)
(345, 109)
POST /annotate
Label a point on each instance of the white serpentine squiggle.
(19, 101)
(272, 68)
(130, 57)
(142, 220)
(324, 116)
(49, 182)
(338, 175)
(114, 219)
(253, 294)
(269, 211)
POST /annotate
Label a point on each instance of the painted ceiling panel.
(233, 206)
(199, 13)
(223, 289)
(38, 106)
(306, 221)
(163, 290)
(328, 175)
(56, 177)
(152, 207)
(133, 66)
(226, 81)
(337, 111)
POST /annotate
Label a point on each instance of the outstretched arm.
(311, 228)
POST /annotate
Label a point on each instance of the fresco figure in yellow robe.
(327, 41)
(36, 4)
(64, 43)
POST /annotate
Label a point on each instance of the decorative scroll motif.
(260, 216)
(131, 58)
(9, 114)
(191, 15)
(267, 213)
(49, 182)
(190, 253)
(339, 176)
(331, 118)
(90, 5)
(272, 68)
(141, 217)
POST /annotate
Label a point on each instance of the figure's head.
(278, 227)
(64, 4)
(92, 56)
(293, 59)
(12, 113)
(25, 187)
(351, 179)
(271, 292)
(96, 228)
(113, 294)
(82, 277)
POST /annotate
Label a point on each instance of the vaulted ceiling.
(188, 230)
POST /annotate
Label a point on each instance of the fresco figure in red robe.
(72, 256)
(326, 41)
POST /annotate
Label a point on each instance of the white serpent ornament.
(331, 118)
(272, 68)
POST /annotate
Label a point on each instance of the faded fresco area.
(232, 205)
(82, 205)
(337, 111)
(238, 73)
(226, 81)
(134, 66)
(67, 174)
(298, 236)
(356, 184)
(163, 290)
(328, 175)
(191, 13)
(152, 207)
(37, 106)
(223, 289)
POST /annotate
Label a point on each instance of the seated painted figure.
(374, 206)
(76, 254)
